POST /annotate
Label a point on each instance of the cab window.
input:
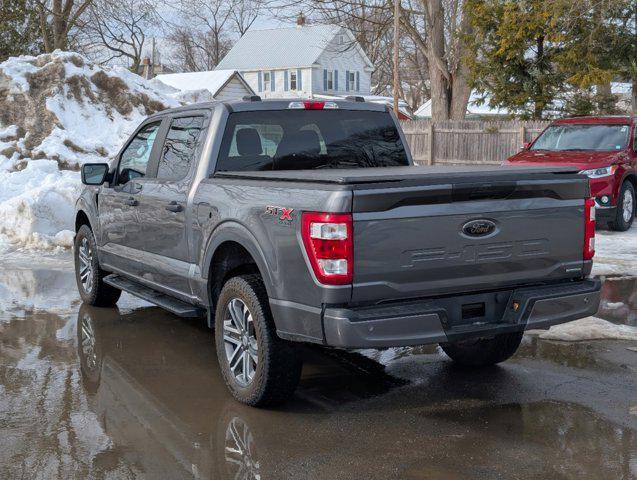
(134, 160)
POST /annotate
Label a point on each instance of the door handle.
(130, 201)
(174, 207)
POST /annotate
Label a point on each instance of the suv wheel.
(481, 352)
(625, 208)
(88, 273)
(258, 367)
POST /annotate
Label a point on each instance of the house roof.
(424, 111)
(282, 47)
(213, 80)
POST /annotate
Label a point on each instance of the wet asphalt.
(135, 392)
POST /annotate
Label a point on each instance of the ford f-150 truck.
(301, 221)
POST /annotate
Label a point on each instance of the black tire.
(481, 352)
(278, 367)
(96, 293)
(621, 224)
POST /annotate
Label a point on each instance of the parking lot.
(135, 392)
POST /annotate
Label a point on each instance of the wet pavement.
(135, 392)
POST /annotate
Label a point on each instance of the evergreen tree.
(19, 29)
(539, 57)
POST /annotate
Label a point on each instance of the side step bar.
(173, 305)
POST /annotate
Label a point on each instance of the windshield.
(583, 137)
(310, 139)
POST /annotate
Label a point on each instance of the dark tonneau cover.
(423, 175)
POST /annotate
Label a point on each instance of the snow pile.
(36, 203)
(62, 107)
(615, 252)
(58, 111)
(590, 328)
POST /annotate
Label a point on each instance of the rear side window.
(179, 148)
(310, 139)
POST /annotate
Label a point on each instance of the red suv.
(605, 149)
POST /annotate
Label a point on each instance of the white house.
(301, 61)
(222, 84)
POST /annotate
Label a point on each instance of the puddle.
(136, 393)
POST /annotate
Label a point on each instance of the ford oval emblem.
(478, 228)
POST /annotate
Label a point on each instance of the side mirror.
(94, 173)
(526, 145)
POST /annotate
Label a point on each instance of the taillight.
(589, 228)
(313, 105)
(327, 238)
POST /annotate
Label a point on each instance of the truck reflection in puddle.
(154, 381)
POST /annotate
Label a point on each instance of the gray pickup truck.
(302, 221)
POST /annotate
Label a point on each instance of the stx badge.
(284, 215)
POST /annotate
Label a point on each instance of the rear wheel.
(258, 367)
(625, 212)
(480, 352)
(89, 275)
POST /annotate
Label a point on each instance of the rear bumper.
(440, 320)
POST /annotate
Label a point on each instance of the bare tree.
(202, 32)
(243, 14)
(194, 50)
(117, 29)
(57, 18)
(439, 28)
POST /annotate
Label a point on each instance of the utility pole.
(396, 47)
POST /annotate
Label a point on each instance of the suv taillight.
(327, 238)
(589, 228)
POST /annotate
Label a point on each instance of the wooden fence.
(468, 142)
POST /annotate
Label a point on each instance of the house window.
(340, 39)
(351, 81)
(266, 81)
(330, 80)
(293, 84)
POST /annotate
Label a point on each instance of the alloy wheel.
(85, 257)
(240, 341)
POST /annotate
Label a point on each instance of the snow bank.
(58, 111)
(37, 205)
(590, 328)
(616, 252)
(60, 106)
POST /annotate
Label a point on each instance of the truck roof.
(602, 120)
(272, 104)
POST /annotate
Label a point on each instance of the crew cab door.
(118, 203)
(163, 203)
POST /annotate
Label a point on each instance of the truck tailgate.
(428, 238)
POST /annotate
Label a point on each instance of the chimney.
(147, 68)
(300, 20)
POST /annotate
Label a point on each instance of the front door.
(163, 204)
(118, 202)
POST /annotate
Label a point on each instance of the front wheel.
(89, 275)
(258, 367)
(625, 208)
(481, 352)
